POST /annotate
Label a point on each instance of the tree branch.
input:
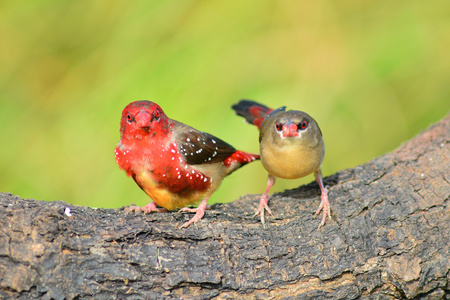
(390, 238)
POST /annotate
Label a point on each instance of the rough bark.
(389, 239)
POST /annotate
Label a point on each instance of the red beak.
(143, 119)
(290, 130)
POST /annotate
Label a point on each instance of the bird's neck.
(146, 151)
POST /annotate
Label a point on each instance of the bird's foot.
(199, 213)
(188, 209)
(146, 209)
(262, 207)
(325, 206)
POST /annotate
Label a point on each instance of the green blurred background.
(373, 74)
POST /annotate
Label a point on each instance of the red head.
(143, 118)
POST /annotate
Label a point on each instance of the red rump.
(240, 157)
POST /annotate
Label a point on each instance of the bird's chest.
(290, 161)
(155, 158)
(160, 167)
(135, 157)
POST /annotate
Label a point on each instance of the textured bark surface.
(389, 239)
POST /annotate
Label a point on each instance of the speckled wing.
(199, 147)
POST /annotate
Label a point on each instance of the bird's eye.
(303, 124)
(157, 114)
(130, 118)
(278, 126)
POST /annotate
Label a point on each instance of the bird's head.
(291, 126)
(143, 118)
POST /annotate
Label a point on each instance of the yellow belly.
(291, 161)
(163, 197)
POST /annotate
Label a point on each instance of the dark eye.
(278, 126)
(303, 124)
(130, 118)
(157, 114)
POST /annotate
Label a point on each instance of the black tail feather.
(243, 109)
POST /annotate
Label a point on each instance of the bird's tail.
(252, 111)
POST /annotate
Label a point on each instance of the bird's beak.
(290, 130)
(143, 119)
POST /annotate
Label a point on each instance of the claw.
(262, 207)
(325, 206)
(263, 201)
(188, 209)
(198, 216)
(146, 209)
(199, 213)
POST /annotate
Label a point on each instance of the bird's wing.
(199, 147)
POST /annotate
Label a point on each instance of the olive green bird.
(291, 147)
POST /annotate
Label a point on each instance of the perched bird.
(291, 147)
(176, 165)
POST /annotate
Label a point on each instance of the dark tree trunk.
(389, 239)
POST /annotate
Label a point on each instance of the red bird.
(173, 163)
(291, 147)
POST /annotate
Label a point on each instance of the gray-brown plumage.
(291, 146)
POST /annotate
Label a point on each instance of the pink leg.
(199, 212)
(263, 201)
(147, 209)
(324, 204)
